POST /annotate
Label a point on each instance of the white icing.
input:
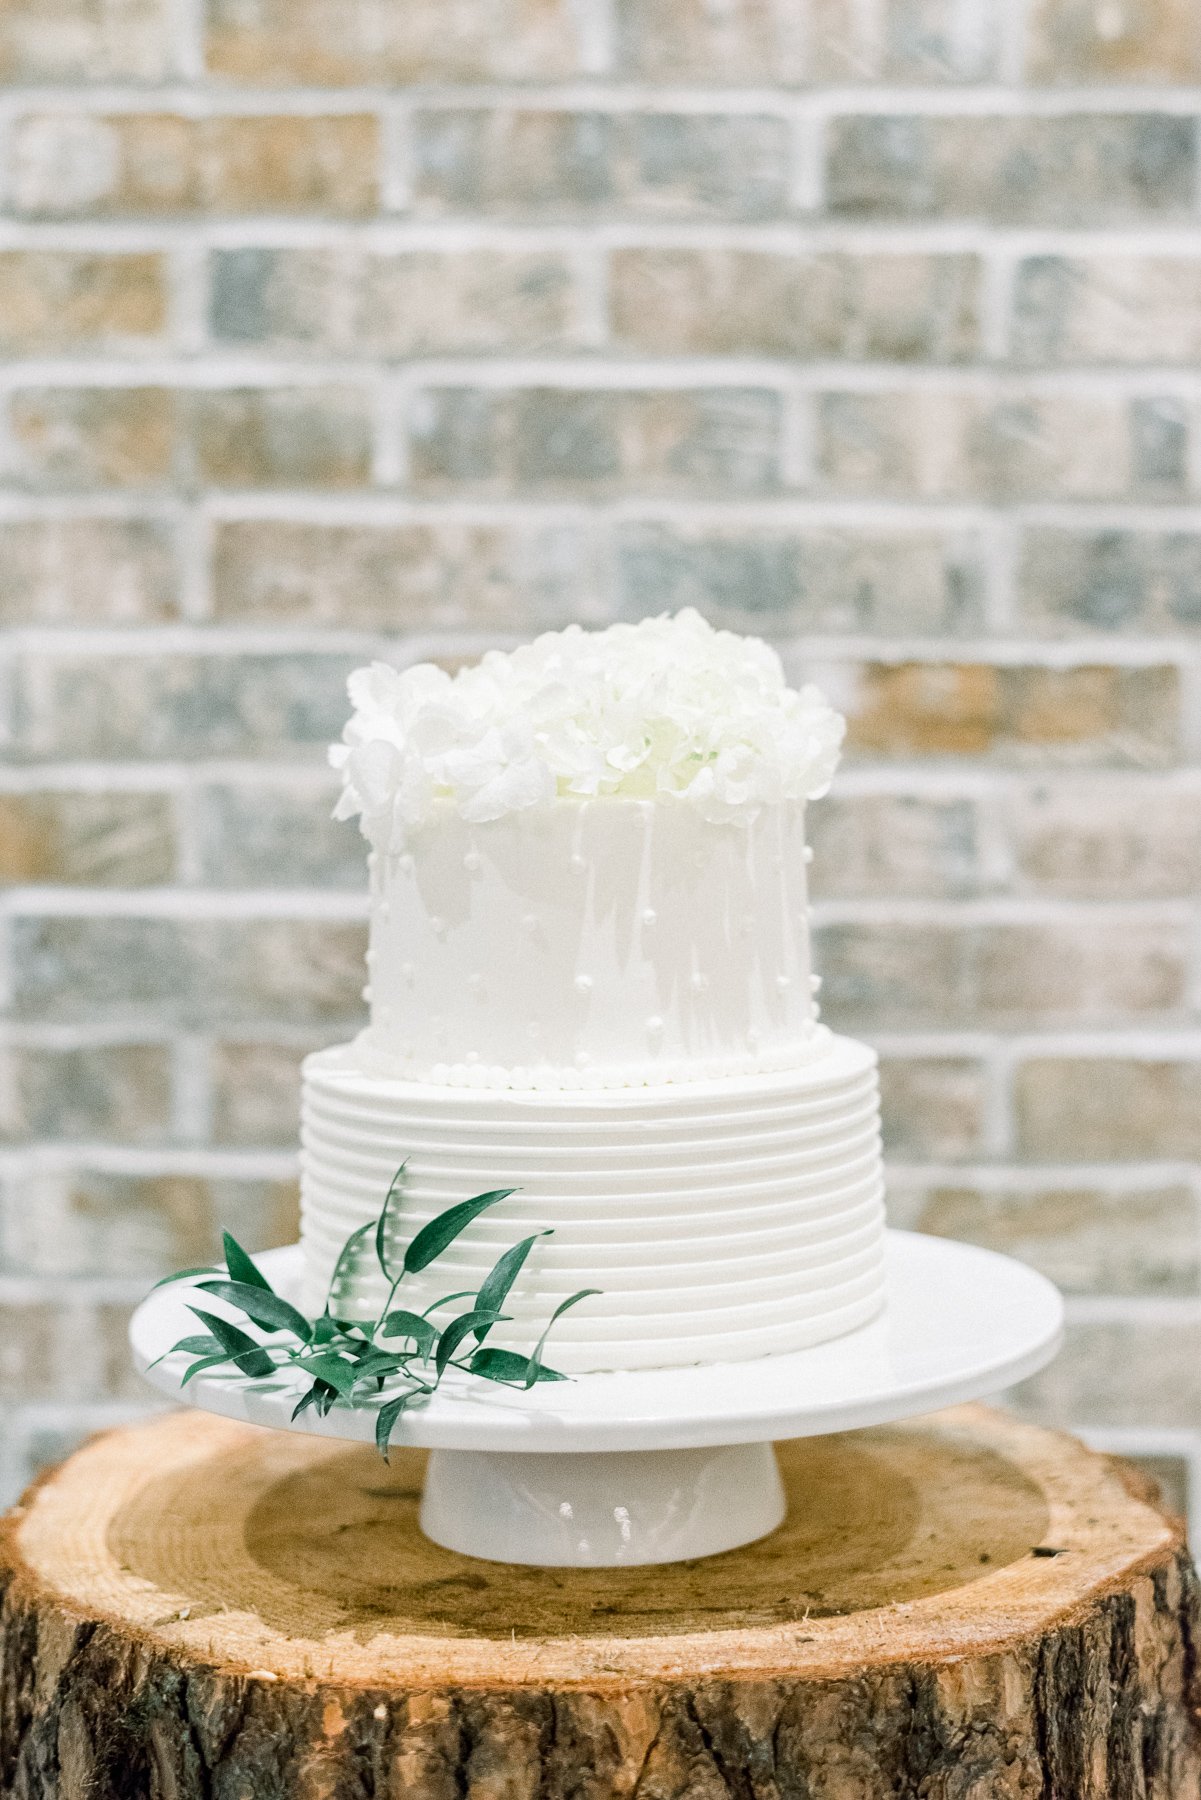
(668, 707)
(683, 953)
(721, 1218)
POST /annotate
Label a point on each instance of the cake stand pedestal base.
(605, 1509)
(960, 1605)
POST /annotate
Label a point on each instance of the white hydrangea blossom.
(666, 707)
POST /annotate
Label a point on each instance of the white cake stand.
(664, 1464)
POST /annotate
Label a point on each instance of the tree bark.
(961, 1608)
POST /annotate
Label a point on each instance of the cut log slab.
(960, 1608)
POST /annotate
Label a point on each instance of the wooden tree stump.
(962, 1608)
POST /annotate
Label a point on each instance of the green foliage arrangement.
(384, 1365)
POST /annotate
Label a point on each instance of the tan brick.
(682, 40)
(975, 444)
(74, 704)
(1144, 40)
(359, 41)
(595, 440)
(912, 975)
(86, 571)
(891, 844)
(271, 835)
(1012, 170)
(120, 1092)
(546, 162)
(1113, 308)
(96, 840)
(1111, 580)
(256, 1092)
(92, 436)
(93, 1222)
(84, 40)
(190, 973)
(413, 303)
(772, 579)
(78, 300)
(892, 306)
(403, 577)
(48, 1348)
(917, 41)
(281, 437)
(932, 1107)
(1104, 840)
(98, 164)
(1143, 1371)
(1090, 713)
(1088, 1240)
(1108, 1108)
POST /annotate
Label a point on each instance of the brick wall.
(370, 328)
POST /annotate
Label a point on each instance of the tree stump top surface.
(297, 1559)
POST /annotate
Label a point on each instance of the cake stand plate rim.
(960, 1323)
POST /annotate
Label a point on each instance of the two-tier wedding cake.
(590, 980)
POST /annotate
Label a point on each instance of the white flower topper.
(666, 707)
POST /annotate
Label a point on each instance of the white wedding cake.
(590, 981)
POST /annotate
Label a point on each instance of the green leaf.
(385, 1420)
(202, 1344)
(381, 1224)
(380, 1362)
(186, 1275)
(345, 1256)
(410, 1325)
(241, 1267)
(463, 1294)
(433, 1238)
(331, 1369)
(262, 1306)
(509, 1366)
(244, 1364)
(324, 1329)
(500, 1278)
(311, 1398)
(536, 1358)
(457, 1330)
(252, 1358)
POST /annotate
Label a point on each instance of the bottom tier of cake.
(720, 1219)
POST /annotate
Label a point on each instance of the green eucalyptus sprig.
(386, 1364)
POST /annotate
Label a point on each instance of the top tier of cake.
(588, 864)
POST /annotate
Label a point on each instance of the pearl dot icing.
(583, 984)
(654, 1026)
(649, 915)
(783, 983)
(698, 981)
(577, 863)
(473, 861)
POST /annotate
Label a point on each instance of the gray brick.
(1013, 170)
(94, 839)
(1112, 308)
(924, 42)
(932, 1109)
(414, 303)
(974, 443)
(256, 1092)
(1097, 839)
(659, 164)
(404, 577)
(908, 975)
(274, 836)
(189, 974)
(120, 1092)
(815, 579)
(890, 306)
(590, 440)
(1112, 580)
(92, 1222)
(889, 844)
(1104, 1108)
(75, 704)
(690, 40)
(1144, 1372)
(1087, 1239)
(86, 571)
